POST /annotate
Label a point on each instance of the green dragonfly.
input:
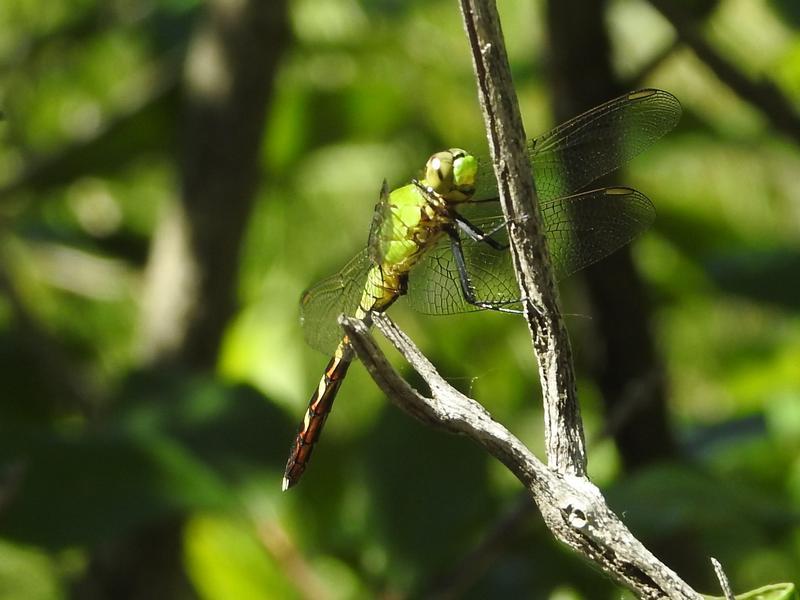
(441, 240)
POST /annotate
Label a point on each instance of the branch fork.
(571, 505)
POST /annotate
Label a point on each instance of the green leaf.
(27, 573)
(224, 560)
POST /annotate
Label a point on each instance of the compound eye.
(465, 168)
(457, 153)
(439, 172)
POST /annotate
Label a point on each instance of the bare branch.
(564, 439)
(448, 408)
(723, 579)
(572, 507)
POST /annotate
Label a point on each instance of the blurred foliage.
(365, 92)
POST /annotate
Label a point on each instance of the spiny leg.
(466, 284)
(477, 234)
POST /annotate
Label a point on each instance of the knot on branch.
(574, 514)
(583, 509)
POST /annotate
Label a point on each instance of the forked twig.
(572, 507)
(586, 523)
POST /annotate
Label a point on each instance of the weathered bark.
(629, 370)
(564, 438)
(573, 509)
(571, 506)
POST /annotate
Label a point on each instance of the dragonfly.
(441, 240)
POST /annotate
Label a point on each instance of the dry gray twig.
(572, 507)
(587, 524)
(723, 579)
(564, 439)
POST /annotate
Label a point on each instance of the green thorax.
(414, 221)
(413, 217)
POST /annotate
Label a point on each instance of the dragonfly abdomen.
(384, 285)
(317, 412)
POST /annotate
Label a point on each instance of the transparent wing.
(381, 220)
(433, 284)
(592, 144)
(581, 229)
(321, 305)
(587, 227)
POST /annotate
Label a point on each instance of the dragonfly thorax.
(451, 174)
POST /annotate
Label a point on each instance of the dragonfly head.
(451, 174)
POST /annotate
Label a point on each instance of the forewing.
(581, 229)
(381, 219)
(592, 144)
(321, 305)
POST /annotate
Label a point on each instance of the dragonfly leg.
(473, 231)
(478, 235)
(466, 284)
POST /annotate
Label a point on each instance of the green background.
(101, 447)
